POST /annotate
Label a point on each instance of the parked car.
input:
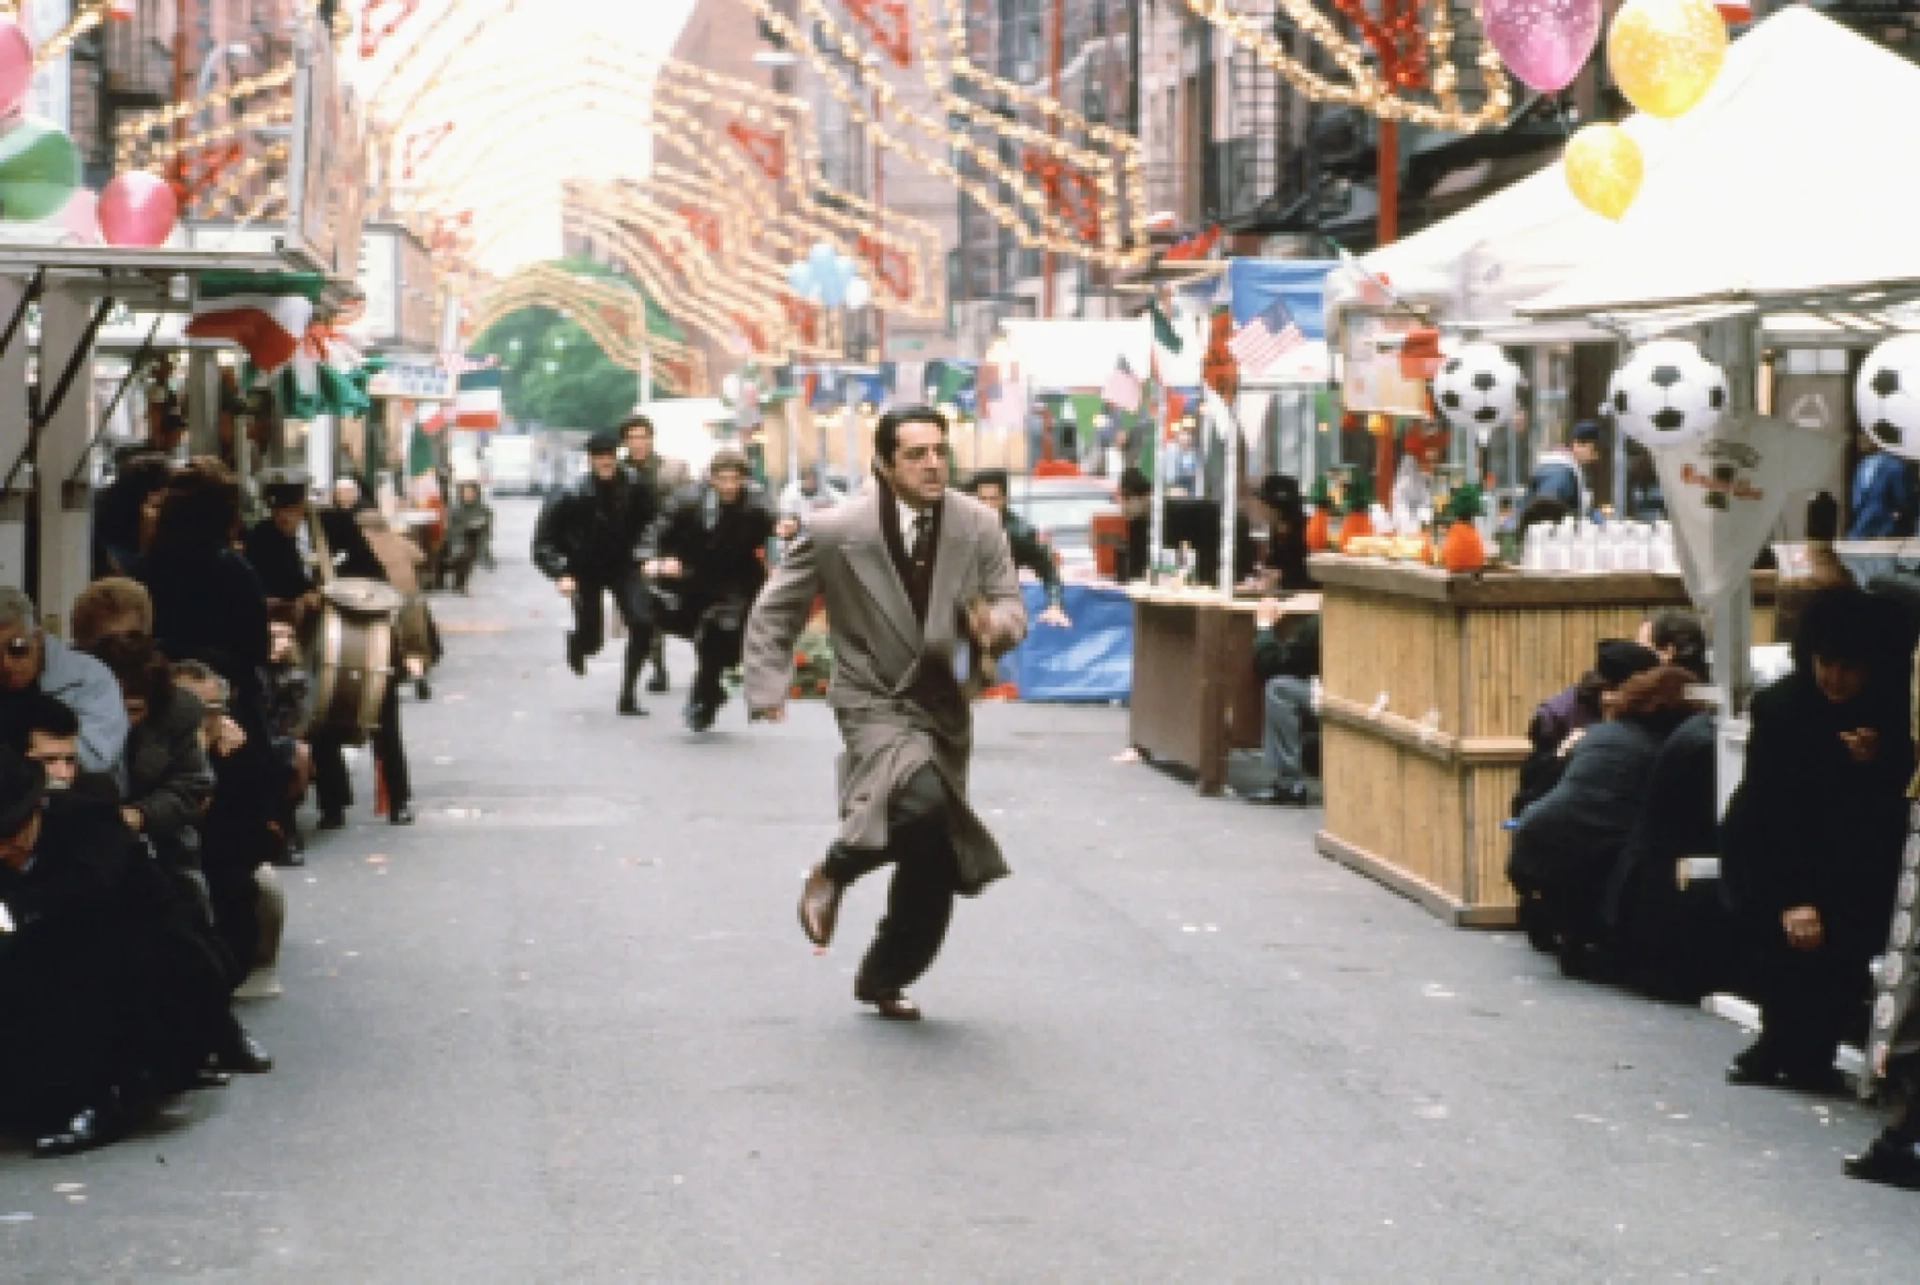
(1062, 510)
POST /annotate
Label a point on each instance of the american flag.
(1266, 339)
(1122, 389)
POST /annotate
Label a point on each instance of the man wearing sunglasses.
(33, 661)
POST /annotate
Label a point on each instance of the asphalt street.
(566, 1029)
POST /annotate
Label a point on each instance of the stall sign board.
(1371, 379)
(415, 379)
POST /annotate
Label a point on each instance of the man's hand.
(1055, 615)
(229, 738)
(133, 818)
(667, 567)
(1804, 929)
(768, 714)
(565, 585)
(1863, 743)
(1267, 612)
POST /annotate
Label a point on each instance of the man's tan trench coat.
(892, 691)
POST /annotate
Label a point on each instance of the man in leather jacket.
(587, 543)
(708, 551)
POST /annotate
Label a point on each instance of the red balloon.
(137, 209)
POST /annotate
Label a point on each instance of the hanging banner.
(1725, 493)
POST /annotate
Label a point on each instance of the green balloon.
(39, 168)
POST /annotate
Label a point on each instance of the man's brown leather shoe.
(893, 1005)
(819, 905)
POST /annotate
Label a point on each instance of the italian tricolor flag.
(479, 403)
(266, 313)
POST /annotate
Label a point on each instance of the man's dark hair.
(1681, 630)
(1134, 483)
(35, 711)
(138, 666)
(886, 435)
(632, 422)
(988, 477)
(201, 510)
(1841, 624)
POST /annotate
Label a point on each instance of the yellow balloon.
(1604, 169)
(1664, 54)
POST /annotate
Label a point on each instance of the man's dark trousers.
(925, 877)
(330, 781)
(589, 620)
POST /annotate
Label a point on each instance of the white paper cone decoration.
(1887, 396)
(1478, 388)
(1667, 394)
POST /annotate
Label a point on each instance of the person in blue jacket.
(1885, 501)
(1560, 472)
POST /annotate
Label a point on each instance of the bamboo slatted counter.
(1428, 682)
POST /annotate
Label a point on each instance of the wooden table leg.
(1210, 647)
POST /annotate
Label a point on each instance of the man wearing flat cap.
(587, 542)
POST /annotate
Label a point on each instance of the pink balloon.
(16, 65)
(81, 218)
(137, 209)
(1544, 42)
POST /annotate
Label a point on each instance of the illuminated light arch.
(612, 314)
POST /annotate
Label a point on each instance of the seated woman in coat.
(1566, 845)
(1810, 848)
(1674, 943)
(165, 781)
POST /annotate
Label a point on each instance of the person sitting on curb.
(1286, 655)
(1030, 552)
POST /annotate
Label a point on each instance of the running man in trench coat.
(919, 582)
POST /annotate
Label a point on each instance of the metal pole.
(1055, 58)
(1229, 497)
(1387, 181)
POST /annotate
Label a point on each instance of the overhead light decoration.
(614, 315)
(1012, 195)
(1384, 73)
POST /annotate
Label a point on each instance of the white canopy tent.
(1792, 179)
(1062, 355)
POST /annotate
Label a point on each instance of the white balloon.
(859, 293)
(730, 388)
(1478, 388)
(1887, 396)
(1667, 394)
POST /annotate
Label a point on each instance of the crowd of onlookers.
(1630, 871)
(152, 757)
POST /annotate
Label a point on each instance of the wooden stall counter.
(1428, 682)
(1195, 695)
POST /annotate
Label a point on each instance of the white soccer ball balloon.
(1886, 396)
(1667, 394)
(1478, 388)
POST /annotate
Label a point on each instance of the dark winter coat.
(109, 972)
(594, 530)
(275, 558)
(1572, 839)
(1808, 826)
(209, 606)
(1295, 656)
(720, 548)
(165, 776)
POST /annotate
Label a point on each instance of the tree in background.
(553, 373)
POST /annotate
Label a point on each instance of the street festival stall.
(70, 259)
(1735, 239)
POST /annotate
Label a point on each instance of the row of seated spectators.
(148, 778)
(1620, 795)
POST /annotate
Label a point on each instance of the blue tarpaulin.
(1091, 661)
(1255, 283)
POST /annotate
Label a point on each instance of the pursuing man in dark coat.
(587, 542)
(989, 486)
(106, 984)
(919, 584)
(665, 477)
(708, 551)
